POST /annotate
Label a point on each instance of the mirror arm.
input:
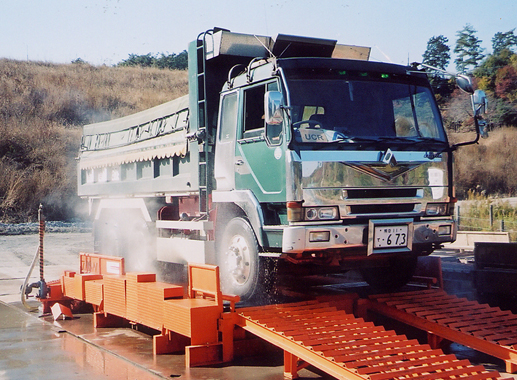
(478, 134)
(435, 68)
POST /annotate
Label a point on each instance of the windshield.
(327, 110)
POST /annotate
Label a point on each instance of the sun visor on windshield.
(361, 53)
(287, 46)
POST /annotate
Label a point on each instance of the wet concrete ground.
(39, 348)
(32, 347)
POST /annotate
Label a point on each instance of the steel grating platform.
(478, 326)
(346, 347)
(323, 333)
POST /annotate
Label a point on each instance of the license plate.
(390, 236)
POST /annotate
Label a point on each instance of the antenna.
(265, 47)
(388, 58)
(287, 47)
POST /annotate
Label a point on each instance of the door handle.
(239, 162)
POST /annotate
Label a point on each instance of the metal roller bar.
(317, 333)
(478, 326)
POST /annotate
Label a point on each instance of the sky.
(107, 31)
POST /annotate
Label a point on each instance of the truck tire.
(397, 273)
(238, 260)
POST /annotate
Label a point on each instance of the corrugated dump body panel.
(146, 152)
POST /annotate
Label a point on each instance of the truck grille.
(380, 193)
(382, 201)
(382, 208)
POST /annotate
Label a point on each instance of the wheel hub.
(238, 259)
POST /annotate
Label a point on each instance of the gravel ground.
(17, 250)
(33, 228)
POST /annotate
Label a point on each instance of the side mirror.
(479, 106)
(483, 132)
(465, 83)
(273, 107)
(479, 102)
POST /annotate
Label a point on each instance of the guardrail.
(465, 240)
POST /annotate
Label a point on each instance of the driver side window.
(254, 122)
(254, 111)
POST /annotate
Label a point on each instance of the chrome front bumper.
(297, 238)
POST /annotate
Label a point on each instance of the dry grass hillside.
(43, 106)
(42, 109)
(488, 167)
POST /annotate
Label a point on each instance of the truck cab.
(346, 162)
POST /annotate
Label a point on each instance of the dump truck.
(289, 152)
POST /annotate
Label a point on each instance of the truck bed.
(146, 152)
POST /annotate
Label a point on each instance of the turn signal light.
(294, 211)
(318, 236)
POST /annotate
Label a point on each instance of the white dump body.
(148, 145)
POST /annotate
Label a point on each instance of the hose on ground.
(25, 283)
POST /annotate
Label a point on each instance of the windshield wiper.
(428, 141)
(352, 140)
(394, 139)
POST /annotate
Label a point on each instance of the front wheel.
(238, 260)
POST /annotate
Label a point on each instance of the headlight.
(321, 213)
(437, 209)
(297, 213)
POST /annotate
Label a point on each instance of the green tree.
(163, 61)
(502, 113)
(487, 70)
(468, 49)
(502, 41)
(437, 53)
(173, 61)
(146, 60)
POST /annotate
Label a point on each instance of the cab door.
(224, 166)
(259, 159)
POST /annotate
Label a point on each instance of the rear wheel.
(238, 260)
(125, 233)
(397, 273)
